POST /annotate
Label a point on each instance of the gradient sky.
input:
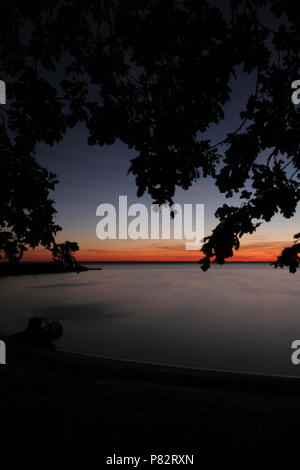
(90, 176)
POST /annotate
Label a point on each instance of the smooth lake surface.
(241, 317)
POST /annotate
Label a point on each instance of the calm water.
(241, 317)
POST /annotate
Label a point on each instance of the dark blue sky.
(90, 176)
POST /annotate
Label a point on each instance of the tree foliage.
(63, 254)
(26, 210)
(290, 256)
(157, 75)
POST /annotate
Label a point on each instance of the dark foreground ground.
(57, 400)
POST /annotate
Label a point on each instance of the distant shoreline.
(41, 267)
(144, 262)
(22, 268)
(171, 262)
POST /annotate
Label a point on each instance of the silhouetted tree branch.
(63, 254)
(290, 256)
(157, 75)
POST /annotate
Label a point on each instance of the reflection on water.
(241, 317)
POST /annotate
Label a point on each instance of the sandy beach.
(54, 399)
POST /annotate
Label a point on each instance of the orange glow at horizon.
(256, 251)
